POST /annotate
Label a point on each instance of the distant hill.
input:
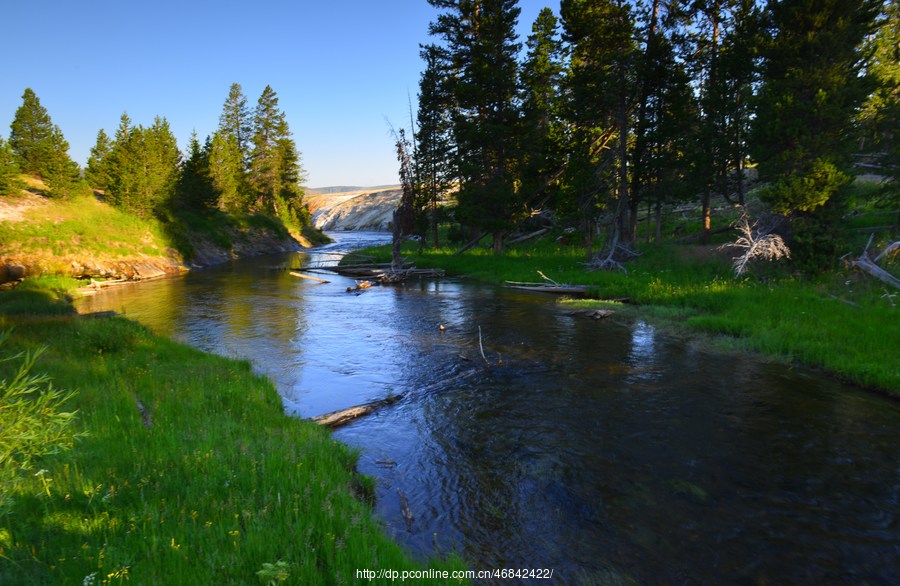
(346, 188)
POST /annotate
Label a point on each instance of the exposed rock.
(355, 210)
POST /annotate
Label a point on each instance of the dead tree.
(756, 241)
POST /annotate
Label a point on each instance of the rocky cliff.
(363, 209)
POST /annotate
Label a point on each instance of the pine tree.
(600, 35)
(667, 118)
(226, 172)
(144, 167)
(97, 172)
(269, 127)
(124, 168)
(813, 82)
(236, 120)
(434, 150)
(195, 188)
(61, 174)
(9, 170)
(479, 37)
(880, 117)
(540, 80)
(162, 160)
(31, 135)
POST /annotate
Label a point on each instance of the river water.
(606, 451)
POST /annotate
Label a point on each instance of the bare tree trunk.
(658, 235)
(589, 238)
(706, 215)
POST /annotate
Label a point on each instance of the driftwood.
(302, 276)
(868, 266)
(345, 416)
(545, 288)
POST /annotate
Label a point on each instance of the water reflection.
(603, 450)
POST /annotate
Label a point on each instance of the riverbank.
(85, 238)
(189, 470)
(840, 322)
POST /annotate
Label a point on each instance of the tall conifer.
(480, 40)
(9, 170)
(31, 135)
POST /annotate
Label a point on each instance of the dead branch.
(887, 252)
(865, 264)
(756, 242)
(868, 266)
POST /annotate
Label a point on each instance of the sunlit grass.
(82, 226)
(190, 473)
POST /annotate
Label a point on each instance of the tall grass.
(189, 473)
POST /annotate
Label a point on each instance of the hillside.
(356, 209)
(87, 238)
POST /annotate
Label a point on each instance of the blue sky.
(340, 69)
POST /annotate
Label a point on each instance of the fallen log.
(302, 276)
(865, 264)
(345, 416)
(868, 266)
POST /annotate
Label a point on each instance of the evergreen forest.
(613, 111)
(249, 166)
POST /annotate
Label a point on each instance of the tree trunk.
(589, 238)
(706, 215)
(658, 236)
(498, 243)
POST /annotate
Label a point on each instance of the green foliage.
(479, 40)
(812, 85)
(235, 120)
(266, 162)
(818, 239)
(61, 174)
(804, 192)
(32, 422)
(195, 186)
(226, 173)
(31, 134)
(433, 138)
(9, 170)
(143, 167)
(540, 78)
(97, 171)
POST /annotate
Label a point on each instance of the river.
(606, 451)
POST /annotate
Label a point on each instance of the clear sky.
(340, 68)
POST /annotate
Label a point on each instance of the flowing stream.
(605, 451)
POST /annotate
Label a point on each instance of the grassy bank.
(843, 322)
(49, 233)
(188, 473)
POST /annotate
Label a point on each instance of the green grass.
(843, 322)
(81, 226)
(210, 485)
